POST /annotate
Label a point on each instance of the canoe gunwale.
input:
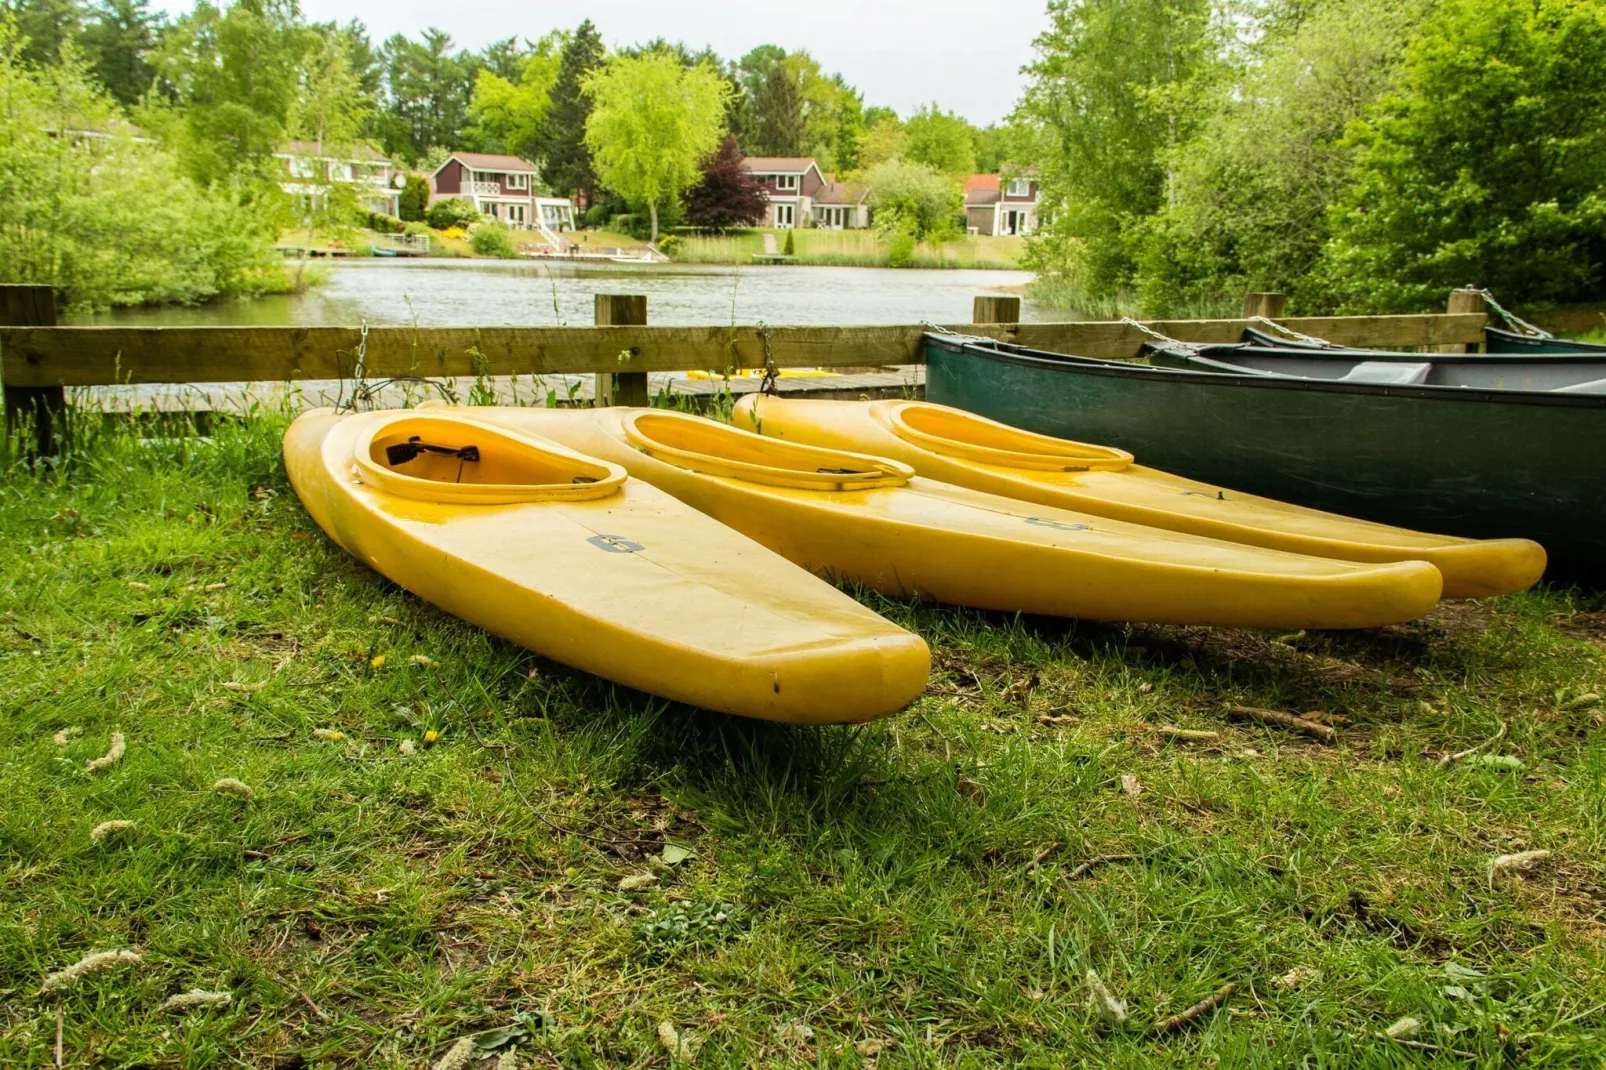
(1020, 356)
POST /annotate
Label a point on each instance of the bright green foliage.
(233, 76)
(44, 25)
(940, 140)
(413, 199)
(565, 159)
(1488, 166)
(509, 114)
(491, 238)
(1254, 184)
(452, 212)
(652, 123)
(428, 87)
(1106, 98)
(885, 140)
(325, 116)
(911, 202)
(107, 217)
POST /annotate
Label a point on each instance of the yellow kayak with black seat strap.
(872, 521)
(972, 451)
(568, 556)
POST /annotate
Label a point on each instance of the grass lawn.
(915, 893)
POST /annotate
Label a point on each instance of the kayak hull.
(630, 585)
(1476, 464)
(924, 538)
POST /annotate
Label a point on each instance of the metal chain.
(1320, 343)
(1521, 325)
(771, 372)
(359, 371)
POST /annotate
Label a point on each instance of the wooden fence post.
(46, 406)
(621, 388)
(1463, 302)
(995, 310)
(1271, 305)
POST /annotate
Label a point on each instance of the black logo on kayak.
(1219, 495)
(615, 544)
(1059, 525)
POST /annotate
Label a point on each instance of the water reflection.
(530, 293)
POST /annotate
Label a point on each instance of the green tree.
(561, 146)
(110, 218)
(884, 141)
(940, 140)
(325, 116)
(778, 112)
(44, 26)
(913, 199)
(428, 87)
(509, 114)
(651, 124)
(1104, 103)
(119, 39)
(413, 200)
(1488, 165)
(232, 77)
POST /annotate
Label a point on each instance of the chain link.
(771, 372)
(1521, 325)
(1308, 339)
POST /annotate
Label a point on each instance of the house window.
(518, 181)
(515, 214)
(1019, 187)
(786, 182)
(785, 216)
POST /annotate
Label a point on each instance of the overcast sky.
(964, 54)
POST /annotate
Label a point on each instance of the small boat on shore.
(873, 521)
(568, 556)
(1474, 461)
(1497, 340)
(971, 451)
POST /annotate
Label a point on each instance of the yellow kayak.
(570, 557)
(874, 522)
(972, 451)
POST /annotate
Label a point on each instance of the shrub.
(596, 217)
(791, 245)
(911, 198)
(669, 244)
(414, 199)
(452, 212)
(418, 229)
(902, 251)
(382, 223)
(492, 239)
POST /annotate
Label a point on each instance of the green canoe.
(1467, 461)
(1496, 340)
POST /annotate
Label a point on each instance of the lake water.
(530, 293)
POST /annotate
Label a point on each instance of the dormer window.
(786, 182)
(1019, 187)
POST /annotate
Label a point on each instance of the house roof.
(356, 152)
(771, 165)
(982, 190)
(488, 161)
(842, 193)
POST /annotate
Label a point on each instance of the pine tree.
(565, 160)
(779, 109)
(727, 196)
(119, 39)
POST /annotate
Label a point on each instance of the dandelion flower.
(406, 747)
(229, 786)
(459, 1057)
(109, 828)
(64, 736)
(110, 758)
(432, 736)
(196, 997)
(377, 663)
(329, 734)
(101, 960)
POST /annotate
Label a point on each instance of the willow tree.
(652, 122)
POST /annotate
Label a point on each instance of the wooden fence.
(38, 358)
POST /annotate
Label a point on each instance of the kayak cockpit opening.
(956, 433)
(443, 457)
(700, 445)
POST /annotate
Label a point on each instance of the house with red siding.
(502, 187)
(792, 183)
(994, 205)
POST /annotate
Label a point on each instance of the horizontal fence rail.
(37, 356)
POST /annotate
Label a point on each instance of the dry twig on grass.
(1449, 759)
(1186, 735)
(1283, 720)
(1418, 1045)
(1209, 1003)
(1093, 863)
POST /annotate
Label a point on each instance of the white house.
(996, 206)
(311, 173)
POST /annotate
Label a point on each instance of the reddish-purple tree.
(727, 196)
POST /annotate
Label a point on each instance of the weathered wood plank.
(95, 356)
(42, 407)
